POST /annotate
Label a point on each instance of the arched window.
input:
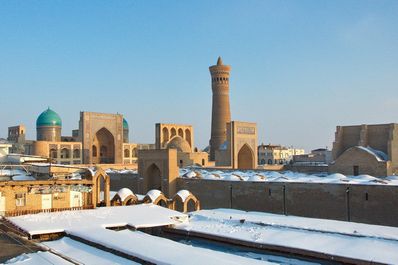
(76, 153)
(126, 153)
(134, 152)
(94, 151)
(165, 134)
(203, 162)
(53, 153)
(65, 153)
(188, 136)
(173, 132)
(181, 133)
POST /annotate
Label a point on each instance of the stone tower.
(221, 113)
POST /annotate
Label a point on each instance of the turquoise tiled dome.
(125, 124)
(48, 118)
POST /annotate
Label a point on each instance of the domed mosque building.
(51, 144)
(48, 126)
(100, 139)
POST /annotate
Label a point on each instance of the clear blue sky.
(299, 68)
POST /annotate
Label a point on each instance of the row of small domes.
(51, 118)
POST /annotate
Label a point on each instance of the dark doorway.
(356, 170)
(154, 180)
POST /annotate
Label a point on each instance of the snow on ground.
(38, 258)
(84, 254)
(139, 216)
(284, 176)
(346, 239)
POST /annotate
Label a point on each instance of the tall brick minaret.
(221, 113)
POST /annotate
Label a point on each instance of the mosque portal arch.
(105, 142)
(245, 158)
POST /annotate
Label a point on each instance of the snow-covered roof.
(283, 176)
(380, 155)
(38, 258)
(124, 193)
(154, 194)
(85, 254)
(22, 177)
(183, 194)
(138, 216)
(121, 171)
(91, 226)
(372, 243)
(256, 178)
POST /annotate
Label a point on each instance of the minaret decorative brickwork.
(221, 113)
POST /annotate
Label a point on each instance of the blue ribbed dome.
(48, 118)
(125, 124)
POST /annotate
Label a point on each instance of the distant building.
(16, 133)
(276, 154)
(4, 150)
(366, 149)
(16, 136)
(101, 139)
(239, 150)
(318, 156)
(181, 138)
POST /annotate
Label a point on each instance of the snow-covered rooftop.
(380, 155)
(345, 239)
(84, 254)
(142, 215)
(183, 194)
(124, 193)
(38, 258)
(91, 226)
(284, 176)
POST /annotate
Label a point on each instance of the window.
(20, 199)
(126, 153)
(53, 153)
(76, 153)
(65, 153)
(94, 151)
(203, 162)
